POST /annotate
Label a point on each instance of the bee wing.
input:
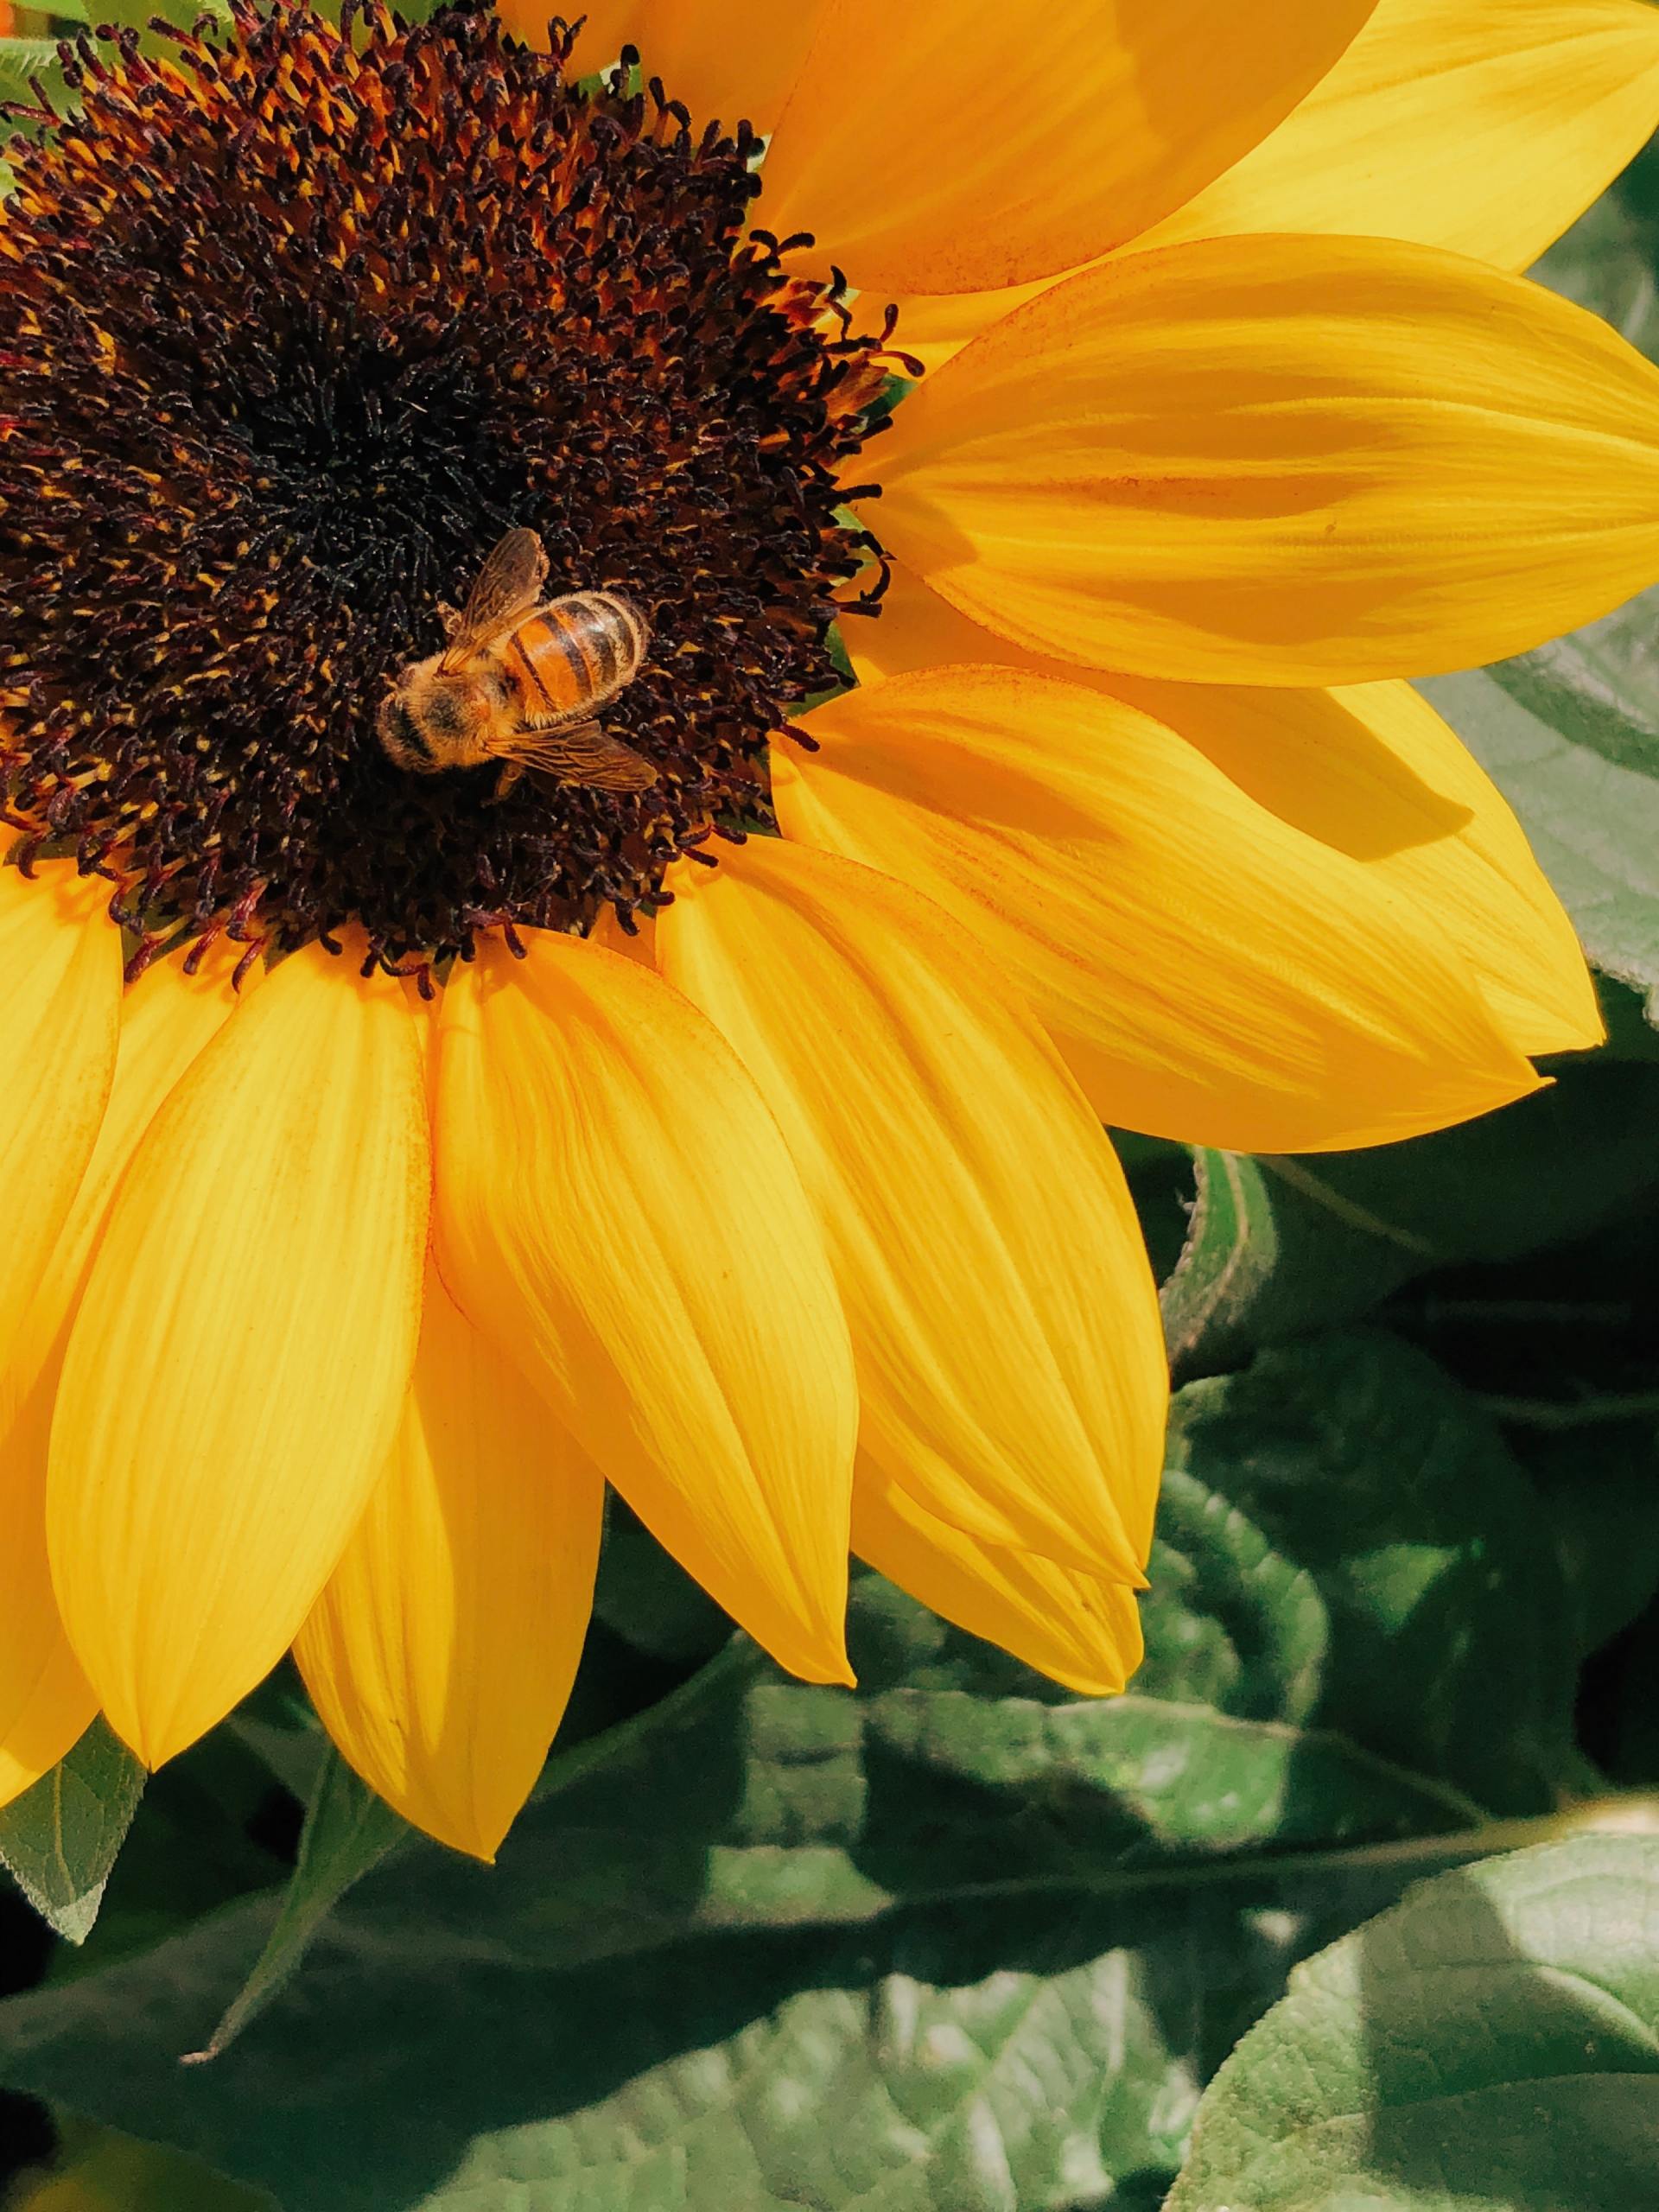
(509, 585)
(582, 754)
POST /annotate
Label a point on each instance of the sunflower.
(396, 1160)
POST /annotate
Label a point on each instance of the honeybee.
(519, 681)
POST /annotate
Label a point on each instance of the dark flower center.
(294, 329)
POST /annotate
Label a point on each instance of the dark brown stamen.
(292, 329)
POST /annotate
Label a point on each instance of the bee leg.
(509, 776)
(450, 618)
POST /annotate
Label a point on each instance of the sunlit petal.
(236, 1367)
(953, 147)
(45, 1699)
(60, 1021)
(442, 1653)
(1011, 1365)
(167, 1020)
(617, 1210)
(1210, 973)
(1486, 126)
(1283, 459)
(1371, 770)
(1082, 1632)
(45, 1702)
(726, 59)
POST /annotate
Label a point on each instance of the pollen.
(297, 323)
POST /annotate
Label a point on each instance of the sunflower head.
(296, 325)
(328, 1316)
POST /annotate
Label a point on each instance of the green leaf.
(196, 1842)
(1599, 686)
(1633, 1751)
(1601, 1487)
(1597, 691)
(990, 2055)
(1593, 823)
(183, 15)
(1630, 1036)
(1607, 261)
(647, 1597)
(720, 1923)
(60, 1839)
(97, 2170)
(21, 60)
(1227, 1263)
(347, 1830)
(1282, 1245)
(1492, 2041)
(1451, 1630)
(985, 2062)
(28, 68)
(278, 1725)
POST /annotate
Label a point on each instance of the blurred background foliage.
(960, 1939)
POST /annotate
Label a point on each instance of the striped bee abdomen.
(574, 654)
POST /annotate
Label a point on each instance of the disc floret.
(297, 323)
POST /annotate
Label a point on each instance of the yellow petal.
(1371, 770)
(725, 59)
(1283, 459)
(1010, 1360)
(917, 629)
(617, 1210)
(239, 1358)
(441, 1654)
(637, 944)
(950, 148)
(167, 1018)
(1486, 126)
(60, 1021)
(1082, 1632)
(45, 1702)
(1210, 973)
(934, 327)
